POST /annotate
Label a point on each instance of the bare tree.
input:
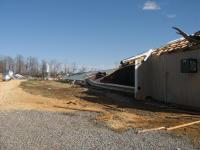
(82, 69)
(55, 67)
(32, 66)
(6, 63)
(44, 68)
(73, 68)
(19, 64)
(66, 69)
(9, 63)
(1, 64)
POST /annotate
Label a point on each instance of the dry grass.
(121, 121)
(50, 89)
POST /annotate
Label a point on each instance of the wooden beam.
(153, 129)
(183, 125)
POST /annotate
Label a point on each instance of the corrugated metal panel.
(85, 75)
(168, 84)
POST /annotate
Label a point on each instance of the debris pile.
(19, 76)
(80, 78)
(8, 75)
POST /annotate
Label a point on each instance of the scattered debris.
(19, 76)
(70, 102)
(170, 128)
(100, 75)
(8, 75)
(191, 38)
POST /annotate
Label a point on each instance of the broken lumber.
(153, 129)
(183, 125)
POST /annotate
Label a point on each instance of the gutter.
(110, 86)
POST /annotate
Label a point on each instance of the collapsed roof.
(187, 41)
(131, 60)
(184, 43)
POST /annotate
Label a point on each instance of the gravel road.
(78, 130)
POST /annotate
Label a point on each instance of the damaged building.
(169, 74)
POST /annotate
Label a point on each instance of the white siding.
(161, 78)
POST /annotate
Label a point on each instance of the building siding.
(161, 79)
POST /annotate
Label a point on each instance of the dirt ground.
(117, 112)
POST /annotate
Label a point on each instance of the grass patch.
(51, 89)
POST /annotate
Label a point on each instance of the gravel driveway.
(49, 130)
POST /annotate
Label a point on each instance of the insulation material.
(122, 76)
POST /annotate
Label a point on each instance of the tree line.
(34, 67)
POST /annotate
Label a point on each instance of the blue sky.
(95, 33)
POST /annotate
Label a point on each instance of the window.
(189, 65)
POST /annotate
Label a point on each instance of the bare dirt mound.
(12, 97)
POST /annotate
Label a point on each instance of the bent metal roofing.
(173, 46)
(176, 45)
(85, 75)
